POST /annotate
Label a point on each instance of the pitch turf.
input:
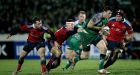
(85, 67)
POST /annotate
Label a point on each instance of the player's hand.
(8, 36)
(128, 38)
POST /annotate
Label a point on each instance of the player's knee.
(42, 55)
(23, 55)
(41, 50)
(69, 55)
(21, 58)
(117, 50)
(102, 47)
(103, 50)
(84, 57)
(57, 53)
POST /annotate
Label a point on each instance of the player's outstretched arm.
(13, 32)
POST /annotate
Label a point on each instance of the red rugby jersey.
(118, 30)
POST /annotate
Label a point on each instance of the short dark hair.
(36, 19)
(106, 8)
(69, 20)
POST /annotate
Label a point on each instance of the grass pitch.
(84, 67)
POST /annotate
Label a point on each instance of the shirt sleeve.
(15, 30)
(129, 28)
(24, 28)
(96, 18)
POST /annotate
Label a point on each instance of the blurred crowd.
(54, 12)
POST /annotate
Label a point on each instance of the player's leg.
(79, 55)
(56, 63)
(114, 51)
(55, 58)
(20, 62)
(41, 52)
(85, 53)
(77, 46)
(72, 62)
(76, 59)
(70, 54)
(74, 46)
(112, 58)
(27, 48)
(82, 55)
(102, 47)
(111, 47)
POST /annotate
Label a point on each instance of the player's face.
(70, 26)
(82, 17)
(118, 17)
(108, 14)
(38, 24)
